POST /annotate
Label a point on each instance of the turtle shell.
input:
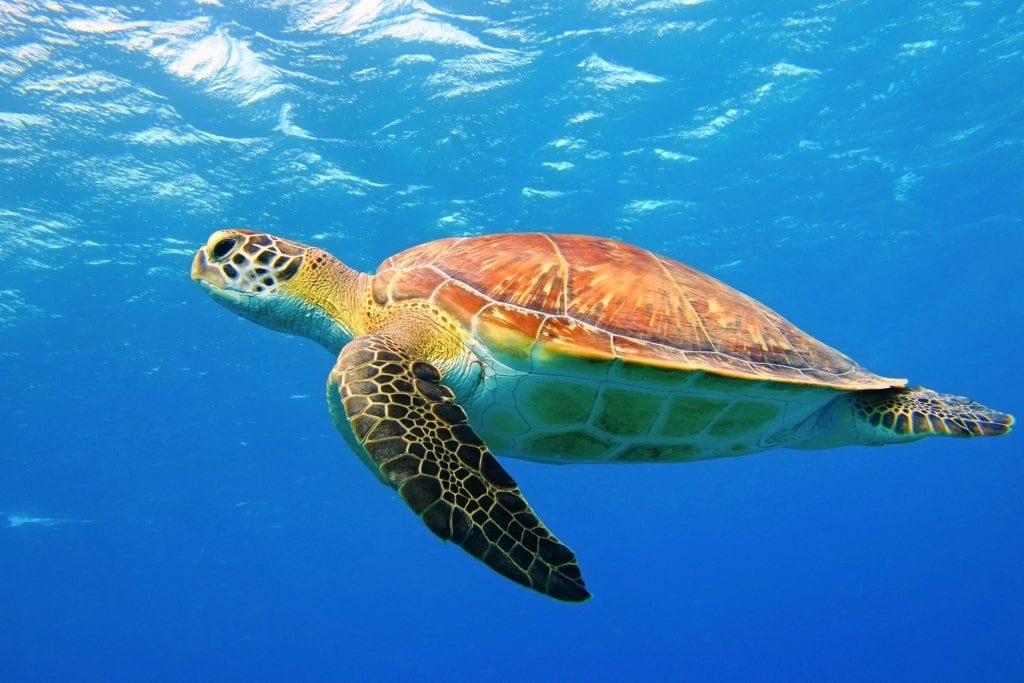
(533, 297)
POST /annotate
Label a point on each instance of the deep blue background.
(174, 500)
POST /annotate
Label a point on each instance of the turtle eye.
(223, 248)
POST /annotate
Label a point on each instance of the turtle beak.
(203, 273)
(212, 279)
(199, 265)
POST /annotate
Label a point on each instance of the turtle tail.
(909, 413)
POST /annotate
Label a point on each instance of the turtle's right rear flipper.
(878, 417)
(909, 413)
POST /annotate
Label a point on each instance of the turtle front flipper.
(417, 437)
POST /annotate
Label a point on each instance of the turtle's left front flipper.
(408, 424)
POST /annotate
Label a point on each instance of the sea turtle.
(561, 349)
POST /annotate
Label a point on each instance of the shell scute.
(413, 283)
(565, 336)
(509, 332)
(688, 416)
(628, 412)
(461, 302)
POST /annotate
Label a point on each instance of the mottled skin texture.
(557, 348)
(409, 424)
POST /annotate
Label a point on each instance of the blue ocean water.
(174, 501)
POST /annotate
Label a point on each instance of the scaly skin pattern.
(556, 348)
(913, 412)
(414, 432)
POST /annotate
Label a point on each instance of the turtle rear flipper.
(908, 413)
(416, 436)
(883, 416)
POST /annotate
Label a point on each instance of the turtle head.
(279, 284)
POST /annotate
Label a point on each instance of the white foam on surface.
(648, 205)
(20, 520)
(583, 117)
(919, 47)
(332, 16)
(224, 62)
(23, 122)
(712, 127)
(606, 75)
(531, 193)
(786, 69)
(669, 155)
